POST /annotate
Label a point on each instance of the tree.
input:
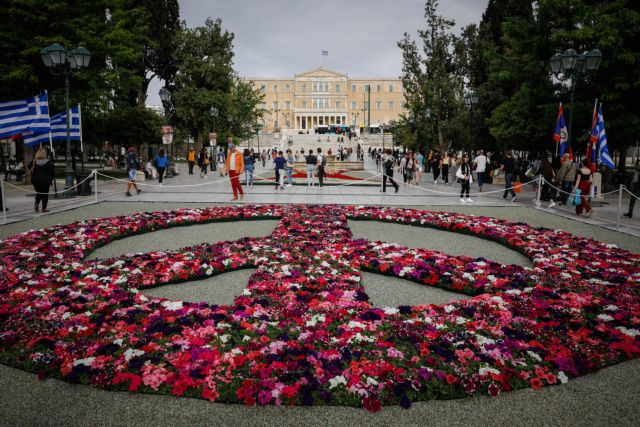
(205, 79)
(433, 79)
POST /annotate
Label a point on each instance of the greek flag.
(58, 129)
(29, 115)
(603, 151)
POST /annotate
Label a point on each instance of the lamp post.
(427, 115)
(60, 61)
(471, 100)
(213, 111)
(570, 65)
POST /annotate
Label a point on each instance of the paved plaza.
(185, 188)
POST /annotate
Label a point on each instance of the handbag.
(459, 174)
(517, 187)
(577, 200)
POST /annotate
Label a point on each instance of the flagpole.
(53, 155)
(593, 122)
(81, 145)
(558, 141)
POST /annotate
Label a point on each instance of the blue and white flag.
(29, 115)
(58, 129)
(603, 151)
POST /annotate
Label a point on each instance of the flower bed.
(303, 331)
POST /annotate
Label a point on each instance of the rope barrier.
(90, 176)
(630, 193)
(478, 194)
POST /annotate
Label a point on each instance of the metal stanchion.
(4, 201)
(539, 195)
(620, 190)
(95, 187)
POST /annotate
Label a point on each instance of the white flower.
(449, 308)
(391, 311)
(355, 324)
(630, 332)
(563, 377)
(335, 381)
(131, 353)
(605, 317)
(224, 338)
(534, 355)
(172, 305)
(611, 307)
(87, 362)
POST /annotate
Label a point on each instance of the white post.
(538, 196)
(4, 201)
(620, 190)
(95, 187)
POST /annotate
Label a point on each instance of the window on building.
(326, 103)
(353, 88)
(304, 88)
(378, 88)
(366, 105)
(378, 105)
(337, 88)
(287, 105)
(337, 105)
(304, 104)
(315, 87)
(354, 105)
(275, 88)
(287, 88)
(367, 88)
(275, 105)
(263, 88)
(390, 88)
(390, 105)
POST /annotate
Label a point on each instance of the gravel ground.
(609, 397)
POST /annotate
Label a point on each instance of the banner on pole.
(213, 137)
(167, 135)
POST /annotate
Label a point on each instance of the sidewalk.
(215, 189)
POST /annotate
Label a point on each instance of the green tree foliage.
(206, 79)
(130, 41)
(433, 79)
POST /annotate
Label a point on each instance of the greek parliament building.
(323, 97)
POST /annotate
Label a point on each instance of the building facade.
(324, 97)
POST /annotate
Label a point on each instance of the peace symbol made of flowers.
(303, 330)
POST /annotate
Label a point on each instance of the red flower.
(493, 389)
(536, 383)
(372, 404)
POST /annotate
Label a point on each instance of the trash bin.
(84, 184)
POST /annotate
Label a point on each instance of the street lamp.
(165, 97)
(427, 115)
(60, 61)
(570, 65)
(471, 100)
(213, 111)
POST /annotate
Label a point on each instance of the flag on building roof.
(28, 115)
(561, 135)
(603, 151)
(58, 129)
(324, 52)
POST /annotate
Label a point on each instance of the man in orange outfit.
(234, 166)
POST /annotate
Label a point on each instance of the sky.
(280, 38)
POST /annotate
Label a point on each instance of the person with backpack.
(203, 162)
(221, 161)
(465, 179)
(248, 167)
(132, 170)
(280, 162)
(311, 168)
(322, 162)
(161, 162)
(388, 164)
(566, 177)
